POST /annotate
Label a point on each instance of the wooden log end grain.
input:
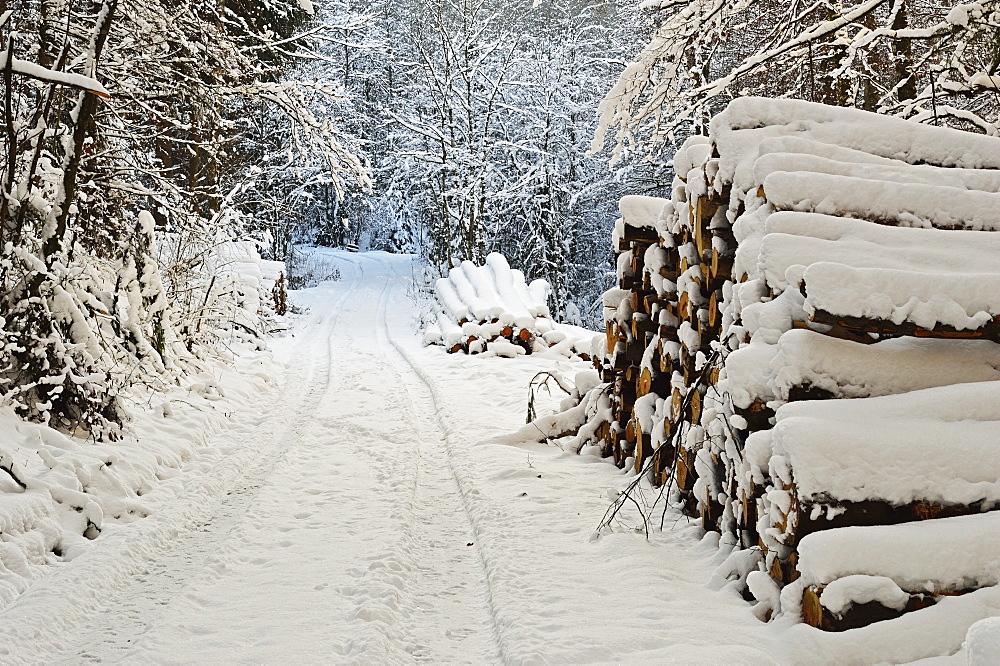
(666, 363)
(694, 406)
(643, 382)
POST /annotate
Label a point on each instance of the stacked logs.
(807, 254)
(632, 324)
(492, 309)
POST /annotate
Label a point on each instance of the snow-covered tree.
(113, 108)
(927, 61)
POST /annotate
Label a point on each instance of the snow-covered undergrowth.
(491, 310)
(219, 291)
(59, 491)
(308, 268)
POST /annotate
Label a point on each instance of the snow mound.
(60, 493)
(943, 555)
(982, 642)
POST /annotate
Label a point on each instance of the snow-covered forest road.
(357, 513)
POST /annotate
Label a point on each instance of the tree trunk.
(903, 52)
(87, 105)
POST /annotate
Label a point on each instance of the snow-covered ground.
(354, 510)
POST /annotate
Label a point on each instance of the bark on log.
(858, 615)
(800, 522)
(645, 235)
(888, 329)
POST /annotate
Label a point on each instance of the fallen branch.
(626, 495)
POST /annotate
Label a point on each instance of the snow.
(799, 144)
(504, 348)
(985, 180)
(844, 592)
(945, 554)
(845, 222)
(64, 78)
(641, 211)
(937, 631)
(746, 373)
(504, 283)
(481, 304)
(906, 204)
(984, 80)
(958, 402)
(982, 642)
(963, 301)
(349, 499)
(959, 15)
(693, 153)
(897, 461)
(354, 508)
(453, 305)
(877, 135)
(487, 299)
(853, 370)
(899, 239)
(116, 485)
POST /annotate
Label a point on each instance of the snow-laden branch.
(40, 73)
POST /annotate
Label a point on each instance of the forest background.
(139, 135)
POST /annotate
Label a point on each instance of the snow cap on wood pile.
(879, 135)
(960, 301)
(853, 164)
(904, 204)
(482, 305)
(895, 461)
(803, 239)
(945, 554)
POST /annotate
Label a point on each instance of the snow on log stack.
(804, 344)
(246, 289)
(492, 310)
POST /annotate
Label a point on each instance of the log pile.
(800, 343)
(248, 290)
(492, 310)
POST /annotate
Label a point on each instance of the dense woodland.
(475, 121)
(139, 135)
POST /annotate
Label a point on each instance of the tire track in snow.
(131, 577)
(420, 597)
(417, 387)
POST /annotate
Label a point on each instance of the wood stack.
(492, 309)
(841, 261)
(633, 319)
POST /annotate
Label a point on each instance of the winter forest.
(467, 331)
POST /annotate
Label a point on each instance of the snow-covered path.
(358, 516)
(349, 538)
